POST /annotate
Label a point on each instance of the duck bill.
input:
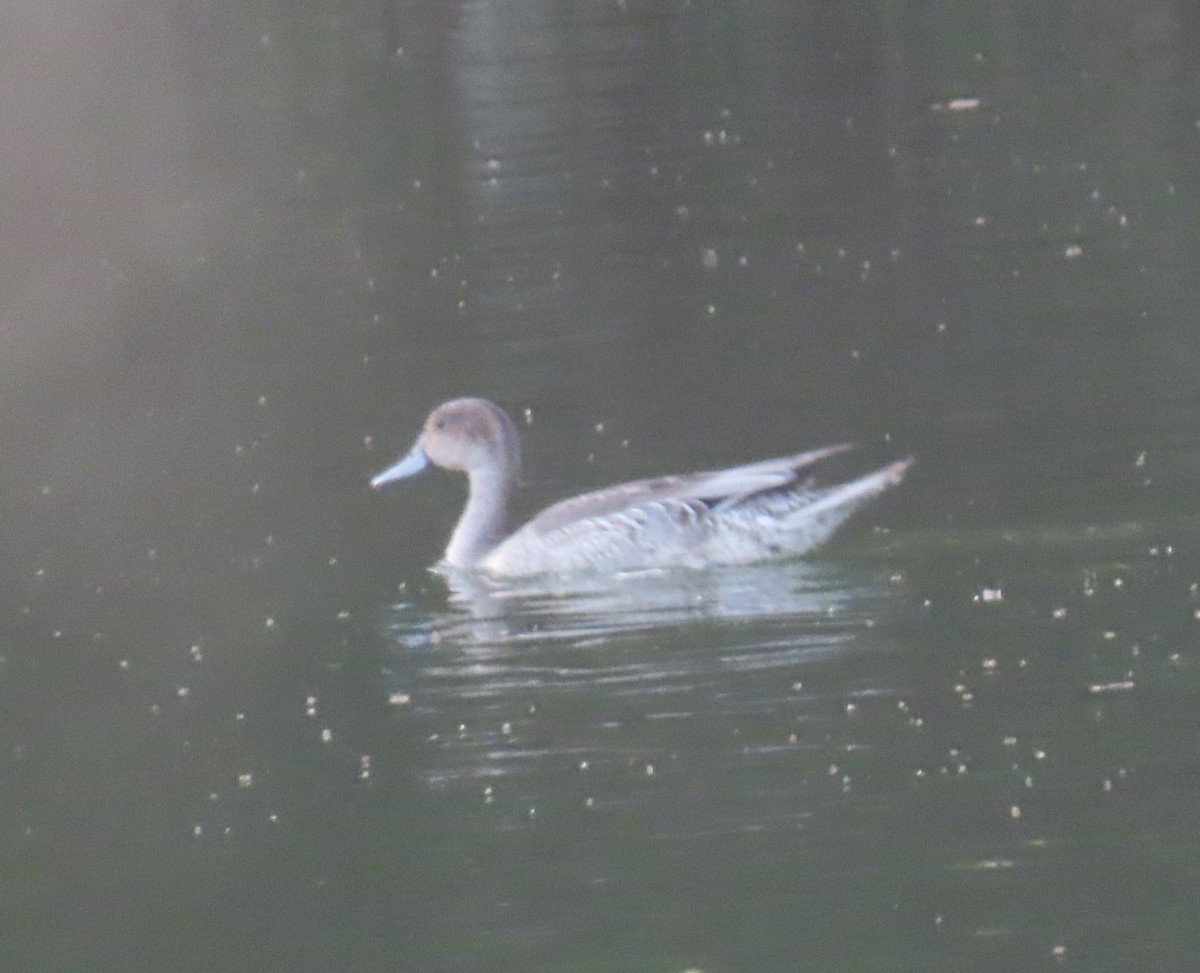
(412, 464)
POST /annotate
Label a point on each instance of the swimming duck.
(760, 511)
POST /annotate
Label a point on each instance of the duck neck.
(482, 524)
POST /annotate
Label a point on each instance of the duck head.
(473, 436)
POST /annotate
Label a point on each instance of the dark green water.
(246, 247)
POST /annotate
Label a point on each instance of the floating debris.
(956, 104)
(1111, 687)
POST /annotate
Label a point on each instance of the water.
(248, 249)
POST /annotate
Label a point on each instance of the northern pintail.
(761, 511)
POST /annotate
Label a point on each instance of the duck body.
(756, 512)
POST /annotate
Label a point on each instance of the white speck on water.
(182, 692)
(709, 259)
(198, 830)
(326, 735)
(245, 780)
(310, 706)
(399, 699)
(1122, 685)
(1073, 251)
(528, 415)
(1014, 812)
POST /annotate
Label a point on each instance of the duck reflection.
(621, 678)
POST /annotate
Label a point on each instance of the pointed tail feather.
(820, 519)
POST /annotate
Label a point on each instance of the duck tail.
(819, 519)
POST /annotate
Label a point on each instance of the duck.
(761, 511)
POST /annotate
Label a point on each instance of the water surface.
(247, 249)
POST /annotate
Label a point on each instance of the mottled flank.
(757, 512)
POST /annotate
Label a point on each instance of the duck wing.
(716, 490)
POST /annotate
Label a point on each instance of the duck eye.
(439, 423)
